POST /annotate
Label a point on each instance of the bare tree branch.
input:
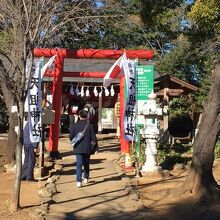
(26, 24)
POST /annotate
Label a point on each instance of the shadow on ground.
(113, 148)
(190, 210)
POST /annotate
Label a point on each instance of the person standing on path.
(84, 148)
(29, 159)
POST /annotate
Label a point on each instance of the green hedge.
(3, 117)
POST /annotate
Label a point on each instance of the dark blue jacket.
(84, 146)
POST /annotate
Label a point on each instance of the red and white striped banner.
(114, 71)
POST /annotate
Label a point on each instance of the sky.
(189, 2)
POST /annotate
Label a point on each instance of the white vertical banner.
(33, 102)
(129, 67)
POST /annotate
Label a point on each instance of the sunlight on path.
(103, 197)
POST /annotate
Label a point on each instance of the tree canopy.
(184, 36)
(26, 25)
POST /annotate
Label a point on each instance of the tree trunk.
(17, 182)
(200, 179)
(12, 136)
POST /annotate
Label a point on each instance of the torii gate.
(59, 73)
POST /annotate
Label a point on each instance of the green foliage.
(205, 66)
(175, 62)
(133, 152)
(3, 117)
(179, 107)
(180, 123)
(169, 155)
(119, 27)
(163, 17)
(154, 11)
(193, 47)
(205, 15)
(217, 149)
(179, 63)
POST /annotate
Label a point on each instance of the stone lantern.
(150, 132)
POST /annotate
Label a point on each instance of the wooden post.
(57, 96)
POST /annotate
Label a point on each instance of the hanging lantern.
(72, 90)
(95, 92)
(106, 92)
(112, 91)
(87, 92)
(82, 91)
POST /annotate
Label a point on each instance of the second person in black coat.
(83, 148)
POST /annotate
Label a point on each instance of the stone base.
(156, 173)
(150, 168)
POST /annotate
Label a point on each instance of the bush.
(133, 151)
(168, 155)
(3, 117)
(217, 149)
